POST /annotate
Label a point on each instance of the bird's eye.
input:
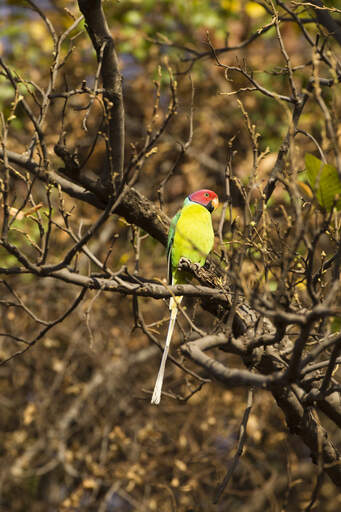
(207, 194)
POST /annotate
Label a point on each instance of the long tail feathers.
(173, 306)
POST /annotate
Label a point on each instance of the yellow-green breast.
(193, 238)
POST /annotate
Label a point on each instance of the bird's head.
(206, 198)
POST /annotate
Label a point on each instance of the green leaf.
(336, 324)
(313, 168)
(324, 181)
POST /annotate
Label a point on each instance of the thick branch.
(324, 18)
(134, 207)
(301, 420)
(231, 377)
(99, 33)
(132, 286)
(72, 189)
(304, 423)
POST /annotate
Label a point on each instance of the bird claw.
(193, 266)
(197, 266)
(184, 261)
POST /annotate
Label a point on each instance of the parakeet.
(190, 236)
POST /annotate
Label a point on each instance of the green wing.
(170, 242)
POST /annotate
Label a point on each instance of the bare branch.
(112, 82)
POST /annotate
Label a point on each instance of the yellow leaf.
(58, 365)
(180, 465)
(305, 190)
(89, 483)
(124, 258)
(39, 34)
(29, 413)
(230, 5)
(254, 10)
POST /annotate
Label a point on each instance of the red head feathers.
(206, 198)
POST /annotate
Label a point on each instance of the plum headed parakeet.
(190, 236)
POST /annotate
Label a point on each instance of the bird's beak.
(215, 203)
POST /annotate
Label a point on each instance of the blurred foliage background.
(77, 429)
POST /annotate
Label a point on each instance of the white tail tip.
(156, 394)
(159, 381)
(173, 305)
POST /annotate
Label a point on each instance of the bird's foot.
(185, 262)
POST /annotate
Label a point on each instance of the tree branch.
(134, 207)
(325, 19)
(100, 36)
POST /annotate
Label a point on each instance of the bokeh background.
(77, 431)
